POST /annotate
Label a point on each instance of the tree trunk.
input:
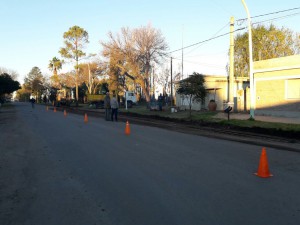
(55, 72)
(146, 93)
(190, 106)
(76, 80)
(146, 81)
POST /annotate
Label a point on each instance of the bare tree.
(91, 74)
(13, 74)
(164, 80)
(134, 51)
(149, 47)
(117, 52)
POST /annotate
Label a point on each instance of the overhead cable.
(210, 39)
(269, 13)
(207, 40)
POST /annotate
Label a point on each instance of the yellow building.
(217, 89)
(277, 83)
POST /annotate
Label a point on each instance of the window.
(292, 90)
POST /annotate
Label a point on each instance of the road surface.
(58, 170)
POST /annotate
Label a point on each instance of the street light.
(252, 94)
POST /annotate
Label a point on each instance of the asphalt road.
(58, 170)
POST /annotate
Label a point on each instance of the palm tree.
(55, 64)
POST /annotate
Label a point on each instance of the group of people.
(163, 99)
(111, 107)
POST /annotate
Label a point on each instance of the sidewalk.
(274, 116)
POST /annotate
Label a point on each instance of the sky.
(32, 31)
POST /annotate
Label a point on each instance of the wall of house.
(270, 93)
(277, 83)
(217, 89)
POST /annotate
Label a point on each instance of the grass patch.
(196, 115)
(209, 117)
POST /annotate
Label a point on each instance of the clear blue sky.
(32, 31)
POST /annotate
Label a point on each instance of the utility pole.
(252, 93)
(182, 55)
(231, 61)
(150, 86)
(90, 83)
(171, 83)
(153, 84)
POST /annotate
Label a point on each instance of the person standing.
(107, 106)
(114, 108)
(32, 100)
(160, 102)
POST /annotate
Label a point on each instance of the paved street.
(58, 170)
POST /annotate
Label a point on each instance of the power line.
(210, 39)
(212, 54)
(277, 18)
(287, 10)
(212, 36)
(201, 64)
(207, 40)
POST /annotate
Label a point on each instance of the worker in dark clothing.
(107, 106)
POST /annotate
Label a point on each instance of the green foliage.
(102, 88)
(34, 82)
(7, 84)
(268, 42)
(55, 64)
(23, 94)
(210, 117)
(75, 40)
(82, 90)
(193, 87)
(53, 93)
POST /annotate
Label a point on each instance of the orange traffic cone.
(85, 118)
(263, 168)
(65, 113)
(54, 109)
(127, 128)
